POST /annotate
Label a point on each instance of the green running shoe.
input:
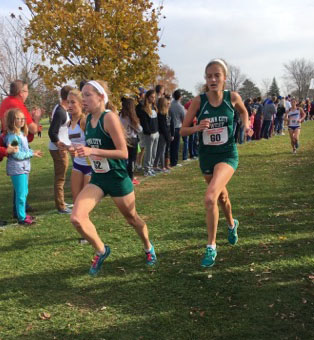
(233, 233)
(209, 257)
(98, 261)
(151, 257)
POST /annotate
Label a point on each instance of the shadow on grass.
(151, 303)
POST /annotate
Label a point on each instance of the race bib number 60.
(217, 136)
(99, 165)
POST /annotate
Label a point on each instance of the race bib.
(217, 136)
(99, 165)
(294, 122)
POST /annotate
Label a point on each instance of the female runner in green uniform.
(218, 153)
(106, 150)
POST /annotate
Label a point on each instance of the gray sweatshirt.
(177, 113)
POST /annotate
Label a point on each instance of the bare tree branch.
(300, 72)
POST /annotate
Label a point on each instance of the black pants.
(174, 148)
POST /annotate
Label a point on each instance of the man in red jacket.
(15, 100)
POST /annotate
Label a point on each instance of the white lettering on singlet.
(94, 142)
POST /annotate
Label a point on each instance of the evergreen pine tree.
(274, 89)
(249, 90)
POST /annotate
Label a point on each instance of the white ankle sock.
(213, 246)
(148, 250)
(101, 253)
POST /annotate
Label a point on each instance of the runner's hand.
(83, 151)
(72, 151)
(203, 125)
(249, 132)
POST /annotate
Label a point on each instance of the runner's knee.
(210, 200)
(76, 219)
(223, 198)
(132, 218)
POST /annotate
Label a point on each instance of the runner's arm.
(186, 128)
(113, 127)
(302, 115)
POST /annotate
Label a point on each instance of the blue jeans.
(241, 135)
(193, 149)
(20, 183)
(266, 128)
(278, 124)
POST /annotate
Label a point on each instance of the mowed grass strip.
(261, 288)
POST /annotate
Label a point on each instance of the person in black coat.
(164, 134)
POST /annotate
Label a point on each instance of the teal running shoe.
(98, 261)
(233, 233)
(209, 257)
(151, 257)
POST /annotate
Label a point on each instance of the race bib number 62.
(99, 165)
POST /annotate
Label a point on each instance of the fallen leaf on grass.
(103, 308)
(282, 237)
(304, 300)
(44, 316)
(122, 269)
(202, 313)
(29, 327)
(263, 279)
(69, 304)
(271, 306)
(210, 276)
(311, 277)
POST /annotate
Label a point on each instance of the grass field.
(262, 288)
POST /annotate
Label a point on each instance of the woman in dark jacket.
(164, 134)
(149, 122)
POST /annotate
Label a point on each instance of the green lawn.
(263, 288)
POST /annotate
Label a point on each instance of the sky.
(258, 36)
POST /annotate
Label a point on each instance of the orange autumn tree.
(167, 77)
(112, 40)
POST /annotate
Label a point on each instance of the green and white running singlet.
(110, 175)
(216, 144)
